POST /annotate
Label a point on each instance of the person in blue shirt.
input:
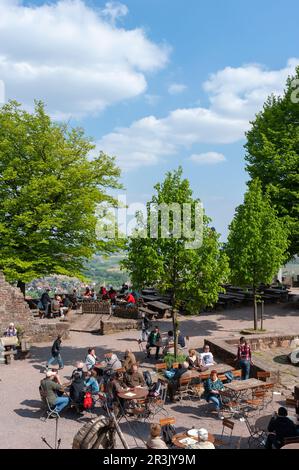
(91, 381)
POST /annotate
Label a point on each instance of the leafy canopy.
(273, 155)
(257, 240)
(191, 275)
(49, 190)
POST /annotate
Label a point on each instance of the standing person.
(46, 301)
(145, 324)
(56, 355)
(244, 358)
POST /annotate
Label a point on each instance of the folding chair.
(257, 436)
(225, 440)
(263, 375)
(49, 410)
(258, 400)
(184, 389)
(157, 404)
(237, 374)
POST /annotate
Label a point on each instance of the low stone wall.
(226, 350)
(112, 326)
(44, 330)
(124, 312)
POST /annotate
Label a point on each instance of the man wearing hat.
(50, 387)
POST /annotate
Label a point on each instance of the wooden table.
(295, 445)
(239, 388)
(219, 368)
(178, 437)
(136, 393)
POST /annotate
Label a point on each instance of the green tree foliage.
(49, 190)
(273, 155)
(192, 275)
(257, 241)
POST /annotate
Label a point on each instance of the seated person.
(91, 359)
(79, 369)
(55, 306)
(134, 378)
(129, 359)
(77, 390)
(280, 426)
(11, 330)
(104, 294)
(112, 362)
(213, 386)
(91, 382)
(112, 295)
(155, 440)
(203, 437)
(154, 341)
(93, 294)
(194, 360)
(65, 306)
(51, 389)
(87, 293)
(206, 357)
(130, 299)
(169, 344)
(174, 383)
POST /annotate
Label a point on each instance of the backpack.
(87, 401)
(169, 374)
(168, 432)
(156, 389)
(148, 378)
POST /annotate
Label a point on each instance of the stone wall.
(109, 327)
(226, 350)
(13, 308)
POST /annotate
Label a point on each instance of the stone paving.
(21, 426)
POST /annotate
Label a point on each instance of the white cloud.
(115, 11)
(235, 95)
(176, 88)
(67, 54)
(208, 158)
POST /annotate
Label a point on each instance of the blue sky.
(158, 83)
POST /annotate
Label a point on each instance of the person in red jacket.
(130, 300)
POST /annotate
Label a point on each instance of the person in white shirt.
(203, 437)
(91, 359)
(206, 358)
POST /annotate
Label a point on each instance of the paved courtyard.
(21, 426)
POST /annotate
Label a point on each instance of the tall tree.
(257, 241)
(191, 273)
(49, 191)
(273, 155)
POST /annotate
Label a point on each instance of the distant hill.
(106, 270)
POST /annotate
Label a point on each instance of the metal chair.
(227, 425)
(49, 410)
(157, 404)
(257, 436)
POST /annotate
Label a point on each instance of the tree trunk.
(254, 308)
(22, 286)
(174, 324)
(262, 314)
